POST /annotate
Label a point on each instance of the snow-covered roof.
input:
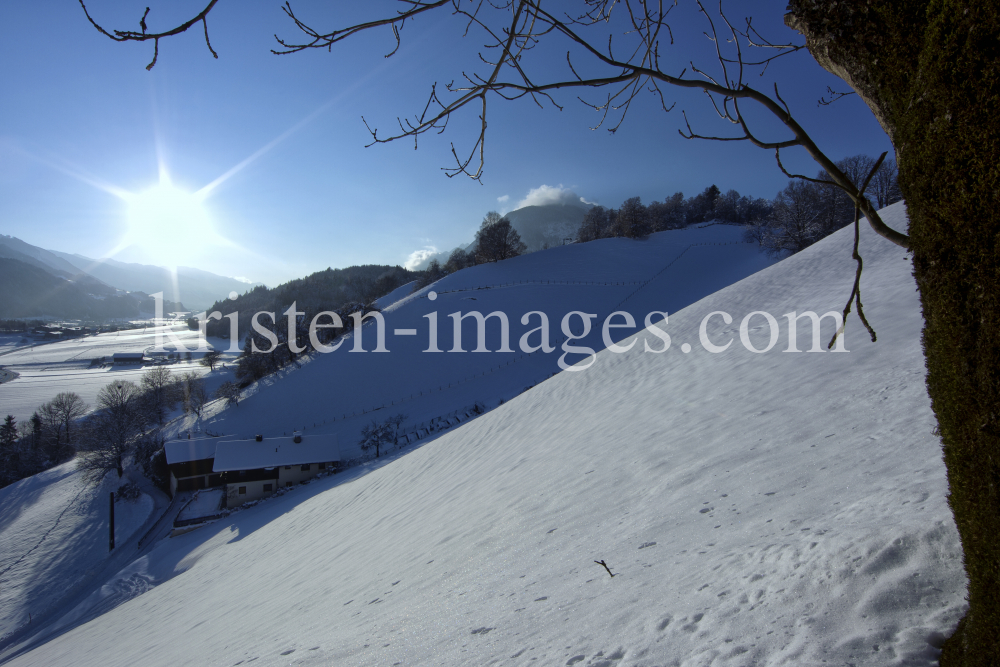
(182, 451)
(273, 452)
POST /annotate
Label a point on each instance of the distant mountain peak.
(548, 225)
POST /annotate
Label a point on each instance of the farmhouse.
(190, 463)
(253, 469)
(249, 469)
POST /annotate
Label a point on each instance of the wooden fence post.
(111, 524)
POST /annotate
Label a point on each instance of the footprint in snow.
(693, 625)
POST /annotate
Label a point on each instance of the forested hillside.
(323, 290)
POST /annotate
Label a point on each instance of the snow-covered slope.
(395, 295)
(338, 392)
(756, 509)
(54, 532)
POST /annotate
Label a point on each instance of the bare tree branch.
(132, 36)
(856, 290)
(519, 29)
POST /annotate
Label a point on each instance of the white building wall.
(289, 475)
(253, 491)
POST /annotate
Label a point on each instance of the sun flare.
(167, 221)
(166, 210)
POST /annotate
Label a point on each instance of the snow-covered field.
(12, 341)
(49, 368)
(756, 509)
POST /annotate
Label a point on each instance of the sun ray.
(240, 166)
(63, 166)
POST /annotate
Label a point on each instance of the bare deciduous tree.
(379, 434)
(800, 215)
(211, 359)
(856, 168)
(52, 424)
(158, 393)
(885, 185)
(230, 392)
(111, 434)
(596, 225)
(458, 260)
(194, 392)
(67, 406)
(497, 240)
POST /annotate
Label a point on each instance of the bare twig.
(834, 96)
(601, 562)
(856, 290)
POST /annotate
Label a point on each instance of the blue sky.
(282, 139)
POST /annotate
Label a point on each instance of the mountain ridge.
(196, 288)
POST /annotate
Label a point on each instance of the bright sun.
(167, 220)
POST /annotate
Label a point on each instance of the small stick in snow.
(601, 562)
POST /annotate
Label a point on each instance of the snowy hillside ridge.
(756, 509)
(392, 297)
(540, 225)
(663, 273)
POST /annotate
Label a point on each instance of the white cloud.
(504, 199)
(588, 203)
(243, 280)
(545, 195)
(418, 257)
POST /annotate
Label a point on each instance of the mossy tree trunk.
(930, 70)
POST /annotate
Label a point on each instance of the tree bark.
(930, 71)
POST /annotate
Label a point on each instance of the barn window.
(243, 490)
